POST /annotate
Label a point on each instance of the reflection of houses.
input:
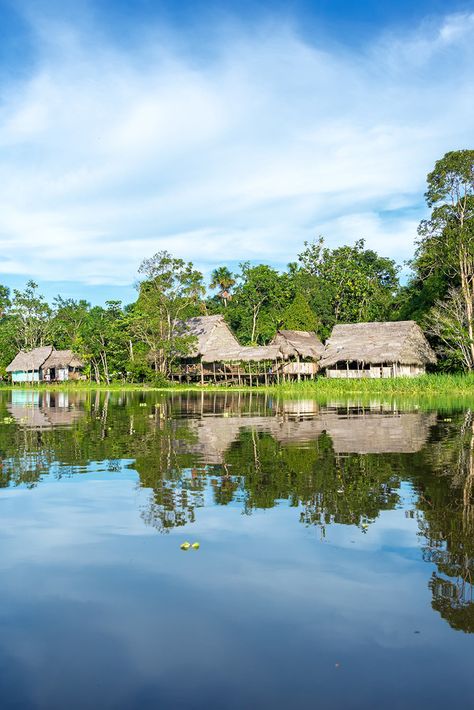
(44, 410)
(217, 354)
(45, 364)
(363, 432)
(377, 350)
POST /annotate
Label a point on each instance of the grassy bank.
(459, 384)
(439, 384)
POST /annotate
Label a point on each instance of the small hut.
(214, 342)
(302, 348)
(45, 364)
(393, 349)
(62, 365)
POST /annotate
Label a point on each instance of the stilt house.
(393, 349)
(218, 355)
(301, 349)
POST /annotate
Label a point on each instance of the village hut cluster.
(358, 350)
(375, 350)
(217, 355)
(45, 364)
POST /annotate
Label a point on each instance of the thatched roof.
(217, 343)
(243, 353)
(45, 358)
(259, 353)
(400, 342)
(62, 359)
(299, 343)
(31, 360)
(212, 334)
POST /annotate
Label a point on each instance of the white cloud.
(109, 155)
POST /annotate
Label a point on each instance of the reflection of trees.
(329, 488)
(258, 468)
(446, 500)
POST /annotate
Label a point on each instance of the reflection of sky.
(98, 610)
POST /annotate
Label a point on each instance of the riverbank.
(435, 384)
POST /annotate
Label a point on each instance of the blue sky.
(219, 131)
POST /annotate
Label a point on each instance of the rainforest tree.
(446, 248)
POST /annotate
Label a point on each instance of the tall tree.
(31, 315)
(446, 239)
(258, 303)
(223, 279)
(68, 319)
(103, 342)
(169, 292)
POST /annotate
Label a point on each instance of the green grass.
(437, 384)
(444, 384)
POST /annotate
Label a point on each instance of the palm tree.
(223, 279)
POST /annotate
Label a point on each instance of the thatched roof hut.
(298, 343)
(372, 349)
(31, 360)
(213, 335)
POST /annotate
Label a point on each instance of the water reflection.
(334, 464)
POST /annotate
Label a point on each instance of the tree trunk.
(466, 289)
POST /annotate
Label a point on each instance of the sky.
(219, 131)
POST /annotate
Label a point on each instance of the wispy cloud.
(245, 151)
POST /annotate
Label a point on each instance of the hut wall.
(24, 376)
(410, 370)
(303, 368)
(375, 371)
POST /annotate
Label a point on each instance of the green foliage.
(223, 279)
(356, 284)
(299, 316)
(31, 315)
(169, 293)
(256, 308)
(444, 259)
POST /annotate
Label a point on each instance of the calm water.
(335, 567)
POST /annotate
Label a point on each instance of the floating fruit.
(195, 546)
(185, 546)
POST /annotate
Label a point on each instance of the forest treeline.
(321, 287)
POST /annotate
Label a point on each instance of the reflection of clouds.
(78, 512)
(103, 606)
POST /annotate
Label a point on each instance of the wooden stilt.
(202, 374)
